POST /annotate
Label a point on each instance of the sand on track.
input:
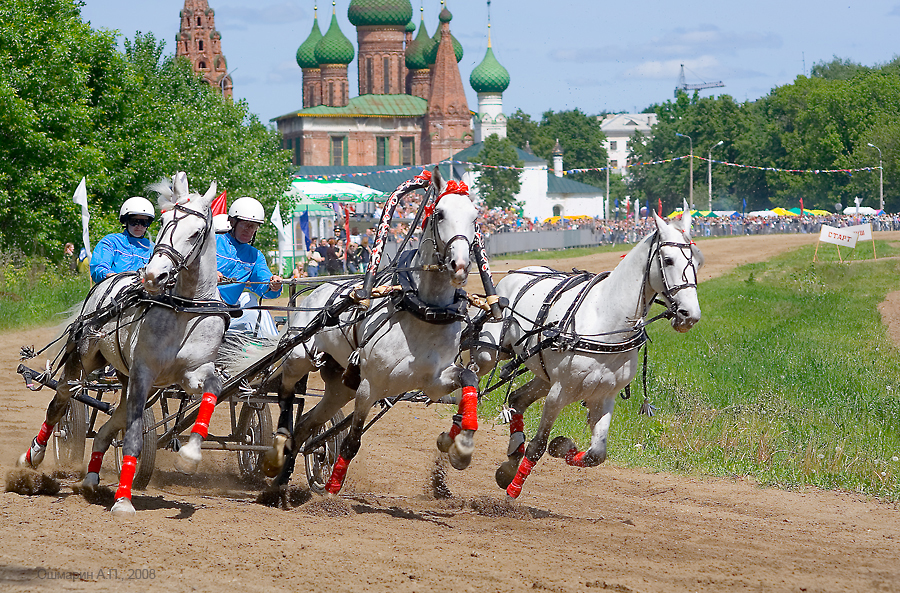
(606, 528)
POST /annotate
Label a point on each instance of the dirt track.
(606, 528)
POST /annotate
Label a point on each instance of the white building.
(619, 129)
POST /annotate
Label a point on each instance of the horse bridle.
(435, 239)
(668, 291)
(179, 261)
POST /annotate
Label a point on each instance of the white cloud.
(678, 43)
(670, 69)
(286, 72)
(238, 17)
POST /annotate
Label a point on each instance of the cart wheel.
(254, 427)
(320, 462)
(69, 436)
(146, 461)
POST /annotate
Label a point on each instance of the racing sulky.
(159, 326)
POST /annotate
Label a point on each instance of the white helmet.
(247, 209)
(137, 205)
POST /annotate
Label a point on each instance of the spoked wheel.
(69, 436)
(254, 427)
(147, 459)
(320, 462)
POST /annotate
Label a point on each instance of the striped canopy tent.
(782, 212)
(336, 190)
(555, 219)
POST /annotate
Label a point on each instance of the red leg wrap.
(207, 405)
(515, 487)
(468, 408)
(455, 430)
(126, 478)
(337, 476)
(96, 462)
(44, 435)
(517, 424)
(575, 457)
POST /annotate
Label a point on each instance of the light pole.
(880, 175)
(709, 162)
(691, 182)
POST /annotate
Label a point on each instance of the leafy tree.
(837, 69)
(498, 186)
(72, 105)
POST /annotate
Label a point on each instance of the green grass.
(789, 378)
(34, 292)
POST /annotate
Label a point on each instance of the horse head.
(186, 227)
(675, 274)
(450, 226)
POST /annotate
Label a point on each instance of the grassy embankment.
(34, 293)
(789, 378)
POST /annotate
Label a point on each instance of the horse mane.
(240, 350)
(165, 188)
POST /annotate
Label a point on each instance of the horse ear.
(658, 219)
(180, 186)
(210, 194)
(684, 224)
(437, 181)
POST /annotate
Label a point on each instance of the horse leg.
(104, 439)
(33, 457)
(519, 401)
(536, 447)
(335, 397)
(135, 400)
(599, 418)
(293, 379)
(350, 446)
(459, 443)
(189, 455)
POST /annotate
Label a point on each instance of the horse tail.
(239, 351)
(63, 342)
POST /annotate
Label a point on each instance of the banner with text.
(863, 231)
(844, 237)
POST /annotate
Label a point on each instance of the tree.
(496, 184)
(73, 106)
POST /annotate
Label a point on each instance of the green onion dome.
(306, 53)
(430, 53)
(410, 27)
(334, 47)
(380, 12)
(415, 58)
(489, 76)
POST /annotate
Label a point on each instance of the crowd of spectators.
(327, 255)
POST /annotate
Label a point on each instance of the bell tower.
(200, 42)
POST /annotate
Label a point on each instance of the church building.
(411, 104)
(200, 42)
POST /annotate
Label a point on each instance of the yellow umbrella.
(782, 212)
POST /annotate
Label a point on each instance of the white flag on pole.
(80, 198)
(282, 233)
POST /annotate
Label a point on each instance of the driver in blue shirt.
(129, 250)
(240, 261)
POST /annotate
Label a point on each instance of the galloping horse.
(150, 340)
(400, 344)
(579, 333)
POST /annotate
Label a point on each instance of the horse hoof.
(461, 451)
(560, 446)
(506, 472)
(123, 508)
(273, 459)
(92, 480)
(444, 442)
(32, 458)
(188, 459)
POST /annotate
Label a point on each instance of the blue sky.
(592, 55)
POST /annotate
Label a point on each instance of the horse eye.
(668, 261)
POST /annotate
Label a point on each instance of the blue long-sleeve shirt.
(246, 264)
(119, 252)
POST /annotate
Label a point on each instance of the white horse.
(403, 343)
(150, 344)
(579, 334)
